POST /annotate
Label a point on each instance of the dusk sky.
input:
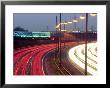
(39, 21)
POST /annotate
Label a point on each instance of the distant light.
(70, 22)
(75, 20)
(94, 32)
(58, 25)
(61, 23)
(75, 31)
(63, 30)
(93, 14)
(65, 23)
(59, 29)
(82, 17)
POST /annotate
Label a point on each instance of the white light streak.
(77, 55)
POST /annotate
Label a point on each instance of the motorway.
(28, 61)
(41, 60)
(77, 56)
(52, 65)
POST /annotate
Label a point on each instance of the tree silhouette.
(20, 29)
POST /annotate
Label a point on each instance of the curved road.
(77, 56)
(30, 60)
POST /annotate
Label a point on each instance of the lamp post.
(64, 35)
(86, 33)
(60, 43)
(93, 14)
(86, 36)
(57, 49)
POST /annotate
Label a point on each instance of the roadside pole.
(86, 43)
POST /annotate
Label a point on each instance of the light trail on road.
(28, 60)
(22, 58)
(77, 56)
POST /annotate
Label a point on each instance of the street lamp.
(86, 44)
(57, 49)
(65, 23)
(92, 14)
(60, 43)
(69, 22)
(82, 17)
(75, 21)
